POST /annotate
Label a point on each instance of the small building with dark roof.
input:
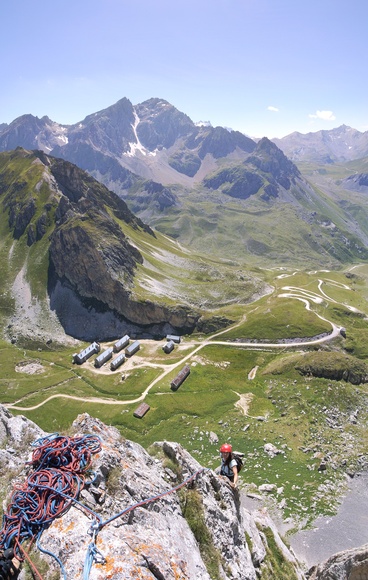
(141, 410)
(168, 347)
(180, 378)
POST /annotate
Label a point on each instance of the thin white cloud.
(324, 115)
(274, 109)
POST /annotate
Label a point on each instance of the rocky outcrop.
(164, 516)
(20, 215)
(236, 182)
(185, 162)
(356, 182)
(152, 195)
(196, 529)
(267, 170)
(334, 366)
(346, 565)
(213, 324)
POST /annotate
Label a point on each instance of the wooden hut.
(180, 378)
(141, 410)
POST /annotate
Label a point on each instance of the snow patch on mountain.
(203, 124)
(137, 147)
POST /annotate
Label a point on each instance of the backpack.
(238, 456)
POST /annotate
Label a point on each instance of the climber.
(229, 466)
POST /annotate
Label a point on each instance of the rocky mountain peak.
(161, 124)
(117, 113)
(110, 130)
(269, 158)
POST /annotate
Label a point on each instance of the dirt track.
(290, 291)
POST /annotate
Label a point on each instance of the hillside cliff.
(65, 235)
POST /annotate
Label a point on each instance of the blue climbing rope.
(61, 465)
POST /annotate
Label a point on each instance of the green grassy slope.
(312, 230)
(309, 418)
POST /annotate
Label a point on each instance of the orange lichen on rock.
(110, 567)
(179, 570)
(58, 524)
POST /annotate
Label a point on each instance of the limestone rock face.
(16, 433)
(143, 536)
(346, 565)
(89, 251)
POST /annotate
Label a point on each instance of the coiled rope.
(61, 465)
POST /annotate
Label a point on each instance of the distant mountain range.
(152, 140)
(156, 141)
(325, 147)
(213, 188)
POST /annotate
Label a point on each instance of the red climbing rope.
(61, 464)
(60, 468)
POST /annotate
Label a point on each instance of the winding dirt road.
(305, 296)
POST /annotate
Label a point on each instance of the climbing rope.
(61, 465)
(94, 554)
(154, 498)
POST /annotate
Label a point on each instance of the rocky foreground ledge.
(198, 532)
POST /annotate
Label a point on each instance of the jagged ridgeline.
(216, 189)
(73, 253)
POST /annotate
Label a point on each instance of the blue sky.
(263, 67)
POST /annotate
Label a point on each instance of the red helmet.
(226, 448)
